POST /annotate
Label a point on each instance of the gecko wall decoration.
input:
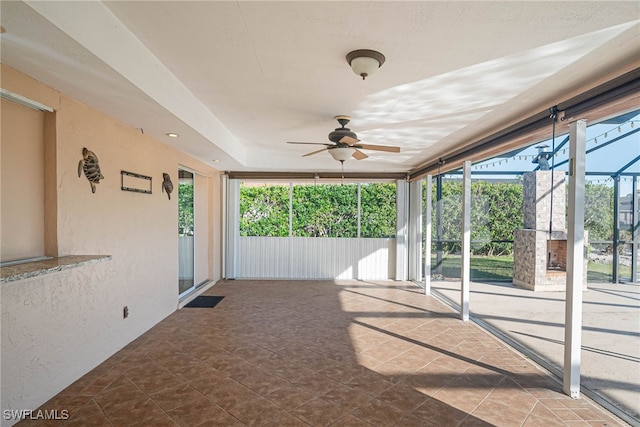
(167, 185)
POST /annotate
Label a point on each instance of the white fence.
(185, 257)
(316, 258)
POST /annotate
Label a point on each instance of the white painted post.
(575, 260)
(402, 217)
(415, 232)
(466, 241)
(290, 238)
(224, 182)
(427, 238)
(233, 228)
(636, 229)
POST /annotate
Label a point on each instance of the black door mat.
(204, 301)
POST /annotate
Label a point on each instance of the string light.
(525, 157)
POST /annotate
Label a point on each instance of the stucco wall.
(22, 160)
(57, 327)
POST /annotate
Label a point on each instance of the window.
(318, 210)
(264, 210)
(325, 210)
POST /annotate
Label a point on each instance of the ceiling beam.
(297, 176)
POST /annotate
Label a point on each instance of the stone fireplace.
(540, 256)
(557, 255)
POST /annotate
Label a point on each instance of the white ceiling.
(238, 79)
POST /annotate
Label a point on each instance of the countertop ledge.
(12, 273)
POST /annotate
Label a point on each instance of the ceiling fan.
(345, 144)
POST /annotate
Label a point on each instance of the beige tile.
(436, 412)
(381, 413)
(347, 398)
(229, 393)
(291, 353)
(500, 413)
(352, 421)
(202, 412)
(318, 412)
(177, 396)
(403, 396)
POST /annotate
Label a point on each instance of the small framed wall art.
(135, 182)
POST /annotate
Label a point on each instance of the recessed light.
(172, 135)
(216, 160)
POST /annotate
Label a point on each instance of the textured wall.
(57, 327)
(22, 169)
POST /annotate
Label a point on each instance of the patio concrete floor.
(610, 335)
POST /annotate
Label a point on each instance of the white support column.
(427, 237)
(635, 221)
(415, 231)
(224, 183)
(402, 217)
(233, 227)
(290, 238)
(466, 241)
(575, 260)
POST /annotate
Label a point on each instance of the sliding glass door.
(185, 232)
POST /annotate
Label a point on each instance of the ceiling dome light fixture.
(342, 153)
(365, 62)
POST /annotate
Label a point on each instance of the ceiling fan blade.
(389, 148)
(309, 143)
(359, 155)
(349, 140)
(315, 152)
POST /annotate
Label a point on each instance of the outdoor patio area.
(535, 320)
(349, 353)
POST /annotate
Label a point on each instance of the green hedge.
(330, 210)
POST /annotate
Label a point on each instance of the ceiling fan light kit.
(345, 144)
(341, 153)
(365, 62)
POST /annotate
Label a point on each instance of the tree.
(598, 211)
(185, 208)
(496, 211)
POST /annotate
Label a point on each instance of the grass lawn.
(482, 267)
(600, 272)
(501, 268)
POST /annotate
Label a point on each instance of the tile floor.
(299, 353)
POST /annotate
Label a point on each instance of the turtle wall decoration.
(90, 165)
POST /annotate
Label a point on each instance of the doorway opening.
(186, 232)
